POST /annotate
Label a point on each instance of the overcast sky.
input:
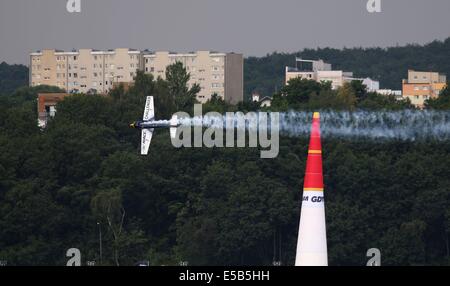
(252, 27)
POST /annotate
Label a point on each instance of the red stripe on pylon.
(314, 171)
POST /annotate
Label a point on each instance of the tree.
(298, 90)
(347, 96)
(359, 89)
(178, 85)
(107, 207)
(12, 77)
(217, 104)
(442, 102)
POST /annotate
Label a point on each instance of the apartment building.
(421, 86)
(84, 70)
(92, 71)
(321, 71)
(216, 73)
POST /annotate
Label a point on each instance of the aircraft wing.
(147, 135)
(149, 112)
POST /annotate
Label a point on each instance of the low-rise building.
(421, 86)
(265, 102)
(47, 106)
(321, 71)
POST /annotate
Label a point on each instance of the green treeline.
(389, 65)
(266, 74)
(12, 77)
(209, 206)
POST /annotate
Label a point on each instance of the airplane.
(149, 124)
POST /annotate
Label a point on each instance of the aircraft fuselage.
(153, 125)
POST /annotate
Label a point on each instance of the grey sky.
(253, 27)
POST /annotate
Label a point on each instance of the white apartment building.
(216, 73)
(86, 70)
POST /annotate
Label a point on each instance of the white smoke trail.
(408, 125)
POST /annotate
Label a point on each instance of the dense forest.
(12, 77)
(83, 173)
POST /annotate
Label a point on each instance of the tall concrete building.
(216, 73)
(421, 86)
(84, 70)
(87, 70)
